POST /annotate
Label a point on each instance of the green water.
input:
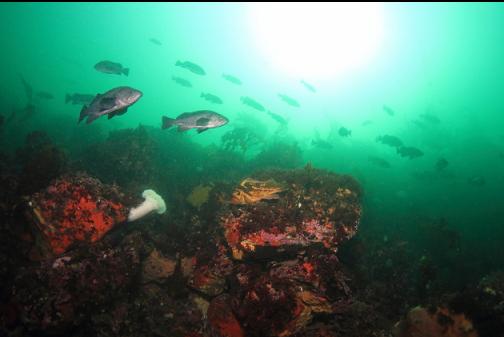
(442, 58)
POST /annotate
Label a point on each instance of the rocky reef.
(269, 266)
(247, 248)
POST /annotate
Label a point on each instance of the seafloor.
(267, 246)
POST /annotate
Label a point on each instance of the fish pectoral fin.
(118, 112)
(202, 121)
(202, 130)
(183, 128)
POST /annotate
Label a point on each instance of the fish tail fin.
(68, 98)
(83, 113)
(126, 71)
(167, 122)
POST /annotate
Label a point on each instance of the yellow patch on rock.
(199, 195)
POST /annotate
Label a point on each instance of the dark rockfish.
(380, 162)
(441, 164)
(390, 140)
(81, 99)
(211, 98)
(192, 67)
(112, 103)
(430, 118)
(322, 144)
(155, 41)
(45, 95)
(277, 118)
(232, 79)
(344, 132)
(388, 110)
(252, 103)
(308, 86)
(182, 81)
(409, 151)
(109, 67)
(201, 120)
(289, 100)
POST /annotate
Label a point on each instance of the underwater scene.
(252, 169)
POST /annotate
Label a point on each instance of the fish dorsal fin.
(202, 121)
(185, 115)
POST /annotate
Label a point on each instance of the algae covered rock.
(286, 211)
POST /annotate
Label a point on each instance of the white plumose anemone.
(152, 202)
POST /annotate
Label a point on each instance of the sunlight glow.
(317, 40)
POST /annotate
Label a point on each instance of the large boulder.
(74, 209)
(282, 212)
